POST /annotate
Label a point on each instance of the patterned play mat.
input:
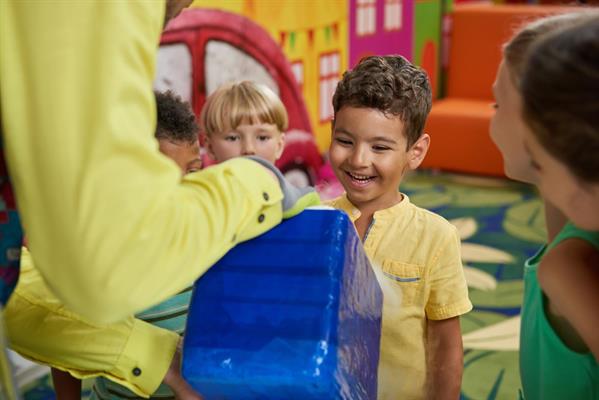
(501, 224)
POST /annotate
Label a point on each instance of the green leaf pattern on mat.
(526, 221)
(491, 375)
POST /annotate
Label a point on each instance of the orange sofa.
(459, 123)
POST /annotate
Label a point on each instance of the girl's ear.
(280, 146)
(418, 151)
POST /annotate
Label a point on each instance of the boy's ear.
(418, 151)
(208, 144)
(280, 145)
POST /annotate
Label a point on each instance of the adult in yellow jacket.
(101, 206)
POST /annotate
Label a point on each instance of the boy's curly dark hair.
(174, 119)
(390, 84)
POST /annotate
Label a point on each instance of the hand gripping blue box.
(292, 314)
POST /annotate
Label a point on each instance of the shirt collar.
(344, 204)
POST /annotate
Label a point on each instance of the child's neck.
(367, 211)
(362, 225)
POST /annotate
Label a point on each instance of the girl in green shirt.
(557, 356)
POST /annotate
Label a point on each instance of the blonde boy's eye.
(263, 138)
(231, 138)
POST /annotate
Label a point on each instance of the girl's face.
(579, 201)
(262, 140)
(507, 127)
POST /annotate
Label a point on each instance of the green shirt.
(548, 368)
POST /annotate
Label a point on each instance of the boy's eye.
(494, 106)
(231, 138)
(380, 148)
(263, 138)
(343, 141)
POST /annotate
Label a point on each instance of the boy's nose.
(248, 148)
(358, 158)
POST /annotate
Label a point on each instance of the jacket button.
(261, 218)
(265, 196)
(136, 371)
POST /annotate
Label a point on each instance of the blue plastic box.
(292, 314)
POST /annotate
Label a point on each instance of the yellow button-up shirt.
(42, 329)
(111, 225)
(416, 256)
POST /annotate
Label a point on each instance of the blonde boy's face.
(262, 140)
(186, 155)
(369, 156)
(577, 200)
(507, 127)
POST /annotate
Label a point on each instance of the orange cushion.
(460, 141)
(478, 33)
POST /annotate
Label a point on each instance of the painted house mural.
(314, 37)
(379, 27)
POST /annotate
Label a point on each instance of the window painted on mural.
(365, 17)
(173, 70)
(225, 63)
(328, 77)
(393, 15)
(297, 68)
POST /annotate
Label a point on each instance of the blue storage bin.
(292, 314)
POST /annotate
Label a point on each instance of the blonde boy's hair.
(235, 103)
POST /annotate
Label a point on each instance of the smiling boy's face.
(369, 155)
(185, 154)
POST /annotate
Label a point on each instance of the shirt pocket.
(408, 277)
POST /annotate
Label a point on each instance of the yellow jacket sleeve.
(130, 352)
(110, 223)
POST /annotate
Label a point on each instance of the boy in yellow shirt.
(380, 111)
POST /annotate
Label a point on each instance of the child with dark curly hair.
(380, 110)
(177, 131)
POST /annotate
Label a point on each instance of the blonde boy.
(380, 110)
(244, 119)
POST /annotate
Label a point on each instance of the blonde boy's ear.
(280, 146)
(208, 144)
(418, 151)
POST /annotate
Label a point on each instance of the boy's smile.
(369, 156)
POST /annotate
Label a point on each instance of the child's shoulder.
(430, 222)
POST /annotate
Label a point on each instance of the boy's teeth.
(359, 177)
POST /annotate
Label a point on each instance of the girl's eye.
(231, 138)
(495, 106)
(535, 165)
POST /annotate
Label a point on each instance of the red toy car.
(202, 49)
